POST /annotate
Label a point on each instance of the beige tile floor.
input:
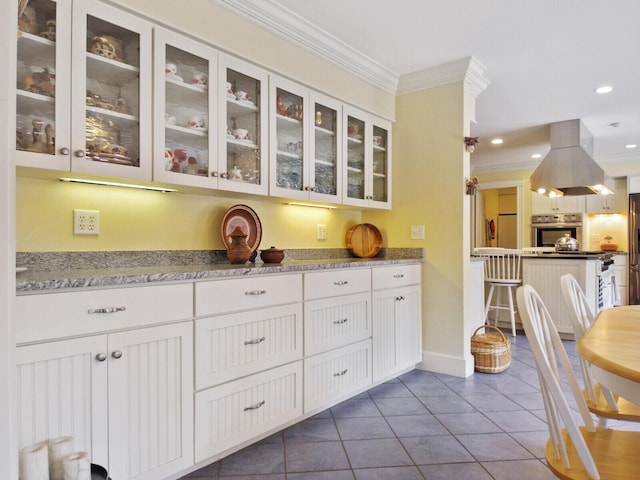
(418, 426)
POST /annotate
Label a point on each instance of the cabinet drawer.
(396, 276)
(336, 282)
(238, 411)
(57, 315)
(332, 376)
(235, 345)
(224, 296)
(335, 322)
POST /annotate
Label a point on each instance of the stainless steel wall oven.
(547, 229)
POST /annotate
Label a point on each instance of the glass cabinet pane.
(355, 158)
(380, 164)
(36, 78)
(243, 96)
(112, 127)
(186, 113)
(289, 138)
(326, 150)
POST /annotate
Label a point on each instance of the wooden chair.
(502, 271)
(573, 452)
(600, 400)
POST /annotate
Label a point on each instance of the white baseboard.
(455, 365)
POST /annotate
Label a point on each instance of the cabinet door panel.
(151, 401)
(395, 276)
(236, 345)
(335, 322)
(409, 326)
(334, 283)
(385, 356)
(237, 411)
(62, 391)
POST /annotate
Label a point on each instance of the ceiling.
(543, 60)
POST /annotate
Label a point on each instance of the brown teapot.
(238, 250)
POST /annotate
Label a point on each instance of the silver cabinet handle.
(398, 275)
(256, 292)
(340, 283)
(255, 406)
(255, 341)
(341, 321)
(101, 357)
(107, 310)
(64, 151)
(340, 373)
(214, 174)
(79, 153)
(116, 354)
(400, 298)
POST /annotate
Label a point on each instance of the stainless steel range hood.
(569, 168)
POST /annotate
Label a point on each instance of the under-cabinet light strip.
(116, 184)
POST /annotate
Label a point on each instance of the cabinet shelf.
(35, 97)
(325, 162)
(354, 169)
(289, 155)
(186, 131)
(323, 132)
(378, 148)
(185, 85)
(111, 72)
(355, 140)
(236, 108)
(112, 114)
(36, 50)
(240, 145)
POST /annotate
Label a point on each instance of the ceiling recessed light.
(496, 141)
(604, 89)
(631, 145)
(536, 155)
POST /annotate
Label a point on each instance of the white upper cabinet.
(616, 203)
(367, 164)
(43, 103)
(325, 182)
(541, 204)
(111, 92)
(242, 125)
(185, 119)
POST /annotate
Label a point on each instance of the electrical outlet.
(321, 233)
(417, 232)
(86, 222)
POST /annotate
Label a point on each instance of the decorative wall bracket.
(472, 184)
(470, 143)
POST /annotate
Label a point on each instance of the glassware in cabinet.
(380, 172)
(185, 94)
(288, 167)
(111, 132)
(355, 156)
(325, 183)
(242, 160)
(43, 105)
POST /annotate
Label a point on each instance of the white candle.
(34, 462)
(58, 449)
(77, 466)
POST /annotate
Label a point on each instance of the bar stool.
(501, 271)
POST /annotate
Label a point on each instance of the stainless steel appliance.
(546, 230)
(634, 249)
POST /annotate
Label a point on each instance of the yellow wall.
(144, 220)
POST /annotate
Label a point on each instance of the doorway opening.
(497, 215)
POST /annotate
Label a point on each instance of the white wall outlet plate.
(321, 233)
(86, 222)
(417, 232)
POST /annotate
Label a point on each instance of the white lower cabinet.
(124, 397)
(397, 324)
(238, 411)
(332, 376)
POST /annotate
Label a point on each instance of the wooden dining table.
(612, 346)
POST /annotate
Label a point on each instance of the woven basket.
(491, 351)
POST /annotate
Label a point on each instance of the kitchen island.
(543, 272)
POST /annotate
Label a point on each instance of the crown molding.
(467, 69)
(282, 22)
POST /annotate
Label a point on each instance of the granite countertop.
(48, 272)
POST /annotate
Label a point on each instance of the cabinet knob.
(64, 151)
(79, 153)
(214, 174)
(106, 310)
(223, 175)
(399, 299)
(341, 373)
(101, 357)
(116, 354)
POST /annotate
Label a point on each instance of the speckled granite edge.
(54, 261)
(107, 270)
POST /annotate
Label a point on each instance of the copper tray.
(247, 219)
(364, 240)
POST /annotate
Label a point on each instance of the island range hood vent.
(569, 168)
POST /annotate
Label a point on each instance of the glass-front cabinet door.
(325, 182)
(185, 90)
(367, 166)
(242, 157)
(111, 81)
(289, 146)
(43, 104)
